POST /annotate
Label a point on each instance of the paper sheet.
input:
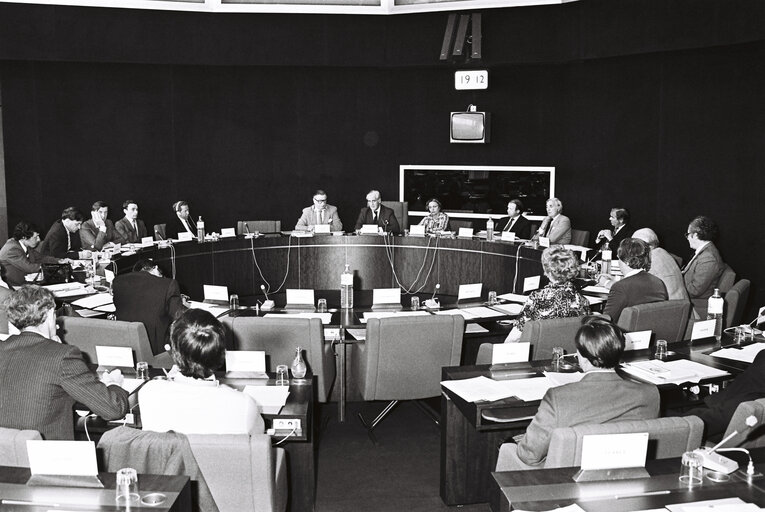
(475, 328)
(270, 398)
(514, 297)
(482, 312)
(210, 308)
(596, 289)
(93, 301)
(746, 354)
(358, 334)
(509, 309)
(671, 372)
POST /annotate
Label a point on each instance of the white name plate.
(465, 233)
(531, 283)
(386, 296)
(214, 292)
(469, 291)
(184, 236)
(227, 232)
(638, 340)
(703, 329)
(245, 361)
(510, 352)
(610, 451)
(321, 228)
(417, 230)
(114, 356)
(508, 236)
(301, 297)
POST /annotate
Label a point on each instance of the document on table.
(463, 312)
(324, 317)
(210, 308)
(514, 297)
(482, 312)
(358, 334)
(68, 289)
(270, 398)
(486, 389)
(93, 301)
(721, 505)
(508, 309)
(746, 354)
(594, 300)
(671, 372)
(387, 314)
(475, 328)
(596, 289)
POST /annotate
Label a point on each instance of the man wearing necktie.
(319, 213)
(377, 213)
(515, 222)
(702, 273)
(556, 226)
(130, 227)
(181, 222)
(62, 240)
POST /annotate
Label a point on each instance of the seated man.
(319, 213)
(61, 240)
(41, 379)
(376, 213)
(620, 219)
(143, 295)
(130, 228)
(602, 396)
(637, 286)
(98, 232)
(181, 222)
(702, 273)
(663, 265)
(19, 256)
(515, 222)
(194, 402)
(556, 226)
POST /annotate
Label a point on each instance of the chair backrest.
(485, 353)
(667, 319)
(401, 358)
(160, 231)
(13, 446)
(243, 472)
(456, 224)
(747, 437)
(3, 319)
(263, 226)
(401, 211)
(735, 302)
(727, 278)
(553, 332)
(579, 237)
(667, 437)
(87, 333)
(278, 337)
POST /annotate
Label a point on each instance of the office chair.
(400, 210)
(13, 446)
(552, 332)
(401, 359)
(579, 237)
(735, 302)
(160, 231)
(727, 278)
(667, 319)
(747, 437)
(262, 226)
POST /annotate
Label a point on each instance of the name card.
(544, 241)
(114, 356)
(245, 361)
(227, 232)
(416, 230)
(321, 228)
(531, 283)
(469, 291)
(610, 451)
(386, 296)
(75, 458)
(638, 340)
(213, 292)
(185, 236)
(147, 241)
(369, 229)
(510, 352)
(703, 329)
(508, 236)
(465, 232)
(302, 297)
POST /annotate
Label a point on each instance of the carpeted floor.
(400, 473)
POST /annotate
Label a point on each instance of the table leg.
(340, 347)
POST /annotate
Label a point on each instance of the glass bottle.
(490, 230)
(200, 230)
(715, 311)
(298, 364)
(346, 288)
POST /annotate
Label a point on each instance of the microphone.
(716, 462)
(433, 302)
(386, 226)
(247, 231)
(267, 304)
(162, 241)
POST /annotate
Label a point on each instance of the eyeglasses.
(319, 200)
(688, 234)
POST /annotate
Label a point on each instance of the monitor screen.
(469, 127)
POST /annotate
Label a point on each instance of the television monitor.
(469, 127)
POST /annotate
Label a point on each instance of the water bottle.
(346, 288)
(200, 230)
(605, 261)
(298, 364)
(490, 230)
(715, 311)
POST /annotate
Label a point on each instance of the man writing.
(19, 255)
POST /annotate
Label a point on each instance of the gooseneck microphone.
(716, 462)
(267, 304)
(432, 302)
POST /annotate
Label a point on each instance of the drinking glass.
(415, 302)
(557, 358)
(233, 301)
(661, 349)
(322, 306)
(740, 334)
(492, 298)
(127, 486)
(142, 370)
(691, 469)
(282, 375)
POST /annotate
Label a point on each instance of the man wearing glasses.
(318, 214)
(376, 213)
(702, 273)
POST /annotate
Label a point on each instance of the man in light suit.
(319, 213)
(376, 213)
(19, 255)
(637, 286)
(515, 222)
(602, 396)
(703, 271)
(130, 228)
(41, 379)
(98, 231)
(620, 219)
(555, 226)
(663, 265)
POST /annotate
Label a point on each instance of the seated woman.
(437, 220)
(602, 396)
(560, 298)
(194, 402)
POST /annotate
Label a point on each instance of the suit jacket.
(559, 231)
(17, 263)
(127, 233)
(60, 245)
(702, 274)
(308, 219)
(664, 266)
(623, 233)
(173, 226)
(600, 397)
(94, 239)
(640, 288)
(522, 227)
(386, 219)
(155, 301)
(40, 380)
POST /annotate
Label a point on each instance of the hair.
(71, 213)
(433, 200)
(178, 205)
(518, 204)
(560, 264)
(127, 203)
(704, 227)
(647, 235)
(98, 205)
(197, 342)
(28, 306)
(600, 341)
(377, 192)
(635, 253)
(554, 200)
(24, 230)
(319, 192)
(621, 214)
(144, 264)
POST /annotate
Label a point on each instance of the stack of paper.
(386, 314)
(324, 317)
(486, 389)
(93, 301)
(746, 354)
(672, 372)
(67, 289)
(596, 289)
(514, 297)
(213, 309)
(270, 398)
(509, 309)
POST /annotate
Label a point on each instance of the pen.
(638, 495)
(32, 503)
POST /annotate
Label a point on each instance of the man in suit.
(555, 226)
(180, 222)
(144, 295)
(637, 286)
(663, 265)
(602, 396)
(130, 228)
(619, 219)
(319, 213)
(703, 271)
(515, 222)
(41, 379)
(19, 255)
(62, 240)
(376, 213)
(98, 231)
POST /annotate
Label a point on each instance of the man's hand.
(113, 377)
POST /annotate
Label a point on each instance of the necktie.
(374, 218)
(68, 241)
(135, 228)
(510, 224)
(321, 217)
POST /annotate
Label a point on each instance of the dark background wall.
(652, 105)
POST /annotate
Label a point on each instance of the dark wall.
(667, 127)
